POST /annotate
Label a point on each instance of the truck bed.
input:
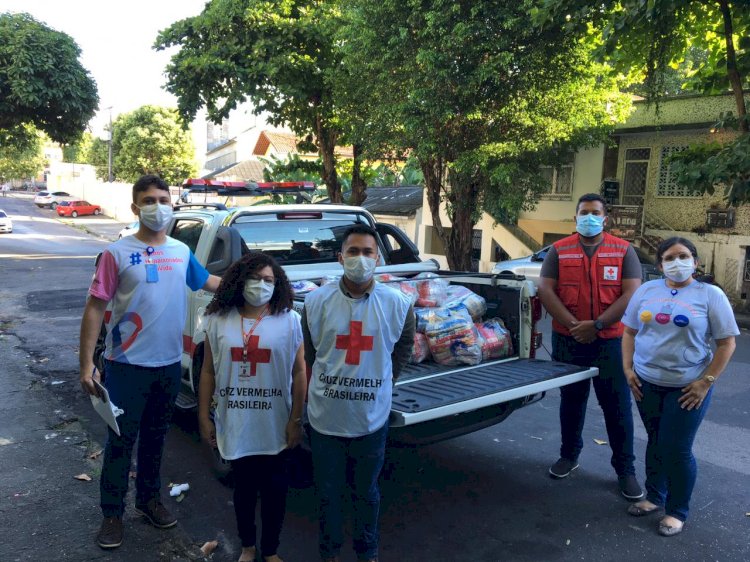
(427, 392)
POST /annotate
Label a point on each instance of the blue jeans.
(670, 465)
(147, 396)
(611, 390)
(355, 462)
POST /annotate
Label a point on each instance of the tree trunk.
(735, 79)
(459, 248)
(327, 144)
(358, 184)
(457, 240)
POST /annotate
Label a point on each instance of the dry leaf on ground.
(600, 442)
(96, 454)
(84, 477)
(209, 547)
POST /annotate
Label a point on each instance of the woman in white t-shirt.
(671, 369)
(254, 374)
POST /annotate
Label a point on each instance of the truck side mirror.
(227, 249)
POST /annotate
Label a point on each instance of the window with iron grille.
(667, 186)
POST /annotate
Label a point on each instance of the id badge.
(152, 273)
(244, 370)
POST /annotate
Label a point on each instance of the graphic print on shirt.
(611, 273)
(119, 347)
(665, 314)
(249, 356)
(354, 343)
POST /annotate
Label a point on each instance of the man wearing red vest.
(586, 282)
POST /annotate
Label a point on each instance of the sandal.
(637, 511)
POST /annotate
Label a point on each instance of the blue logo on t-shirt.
(681, 320)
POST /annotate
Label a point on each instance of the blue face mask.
(589, 225)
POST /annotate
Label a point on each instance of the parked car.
(6, 225)
(50, 199)
(76, 208)
(531, 266)
(129, 229)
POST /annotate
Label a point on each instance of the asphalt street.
(482, 497)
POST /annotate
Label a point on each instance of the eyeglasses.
(266, 279)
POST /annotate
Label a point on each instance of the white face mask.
(678, 270)
(258, 292)
(359, 269)
(156, 217)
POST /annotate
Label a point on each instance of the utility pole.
(109, 152)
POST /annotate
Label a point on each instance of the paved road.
(482, 497)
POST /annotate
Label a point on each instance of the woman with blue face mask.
(671, 370)
(254, 374)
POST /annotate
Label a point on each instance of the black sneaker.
(156, 514)
(629, 487)
(110, 533)
(562, 468)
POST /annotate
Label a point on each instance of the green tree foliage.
(149, 140)
(710, 40)
(24, 158)
(42, 83)
(79, 151)
(478, 96)
(275, 53)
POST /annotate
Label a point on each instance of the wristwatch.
(710, 378)
(599, 325)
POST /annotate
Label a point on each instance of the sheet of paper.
(105, 408)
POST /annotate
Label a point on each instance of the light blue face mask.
(589, 225)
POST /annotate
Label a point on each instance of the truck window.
(296, 237)
(188, 231)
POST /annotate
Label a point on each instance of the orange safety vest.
(588, 286)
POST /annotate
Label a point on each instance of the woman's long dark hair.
(229, 293)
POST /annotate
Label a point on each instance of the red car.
(75, 208)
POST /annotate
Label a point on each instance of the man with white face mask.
(586, 282)
(358, 336)
(144, 278)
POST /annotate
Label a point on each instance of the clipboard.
(105, 408)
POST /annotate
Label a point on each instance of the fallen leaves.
(96, 454)
(600, 442)
(208, 547)
(83, 477)
(4, 441)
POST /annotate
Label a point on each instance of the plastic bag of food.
(421, 350)
(303, 286)
(431, 319)
(476, 305)
(409, 289)
(432, 290)
(326, 279)
(494, 339)
(452, 337)
(387, 278)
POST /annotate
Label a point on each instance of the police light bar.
(260, 189)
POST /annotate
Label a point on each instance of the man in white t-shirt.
(358, 336)
(144, 279)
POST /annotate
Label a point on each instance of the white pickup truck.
(431, 402)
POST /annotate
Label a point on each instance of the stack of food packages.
(450, 329)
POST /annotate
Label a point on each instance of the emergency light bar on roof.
(252, 189)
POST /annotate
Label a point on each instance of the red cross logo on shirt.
(354, 343)
(611, 271)
(254, 354)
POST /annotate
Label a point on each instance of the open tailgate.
(462, 389)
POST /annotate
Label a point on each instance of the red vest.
(588, 286)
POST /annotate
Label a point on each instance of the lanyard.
(247, 335)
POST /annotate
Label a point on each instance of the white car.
(6, 225)
(50, 198)
(129, 229)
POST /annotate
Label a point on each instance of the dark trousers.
(147, 396)
(355, 463)
(264, 474)
(611, 390)
(670, 465)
